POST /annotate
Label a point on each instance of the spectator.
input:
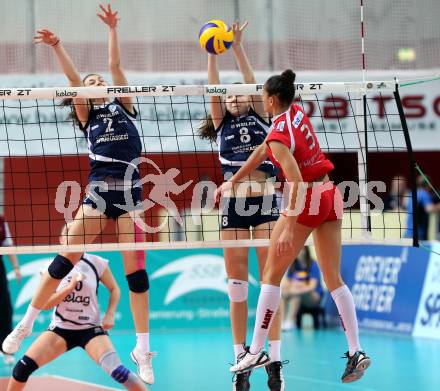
(394, 200)
(425, 206)
(5, 299)
(302, 287)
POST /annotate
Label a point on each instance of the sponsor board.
(427, 323)
(188, 289)
(386, 283)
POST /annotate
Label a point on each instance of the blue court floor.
(198, 361)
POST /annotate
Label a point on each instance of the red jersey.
(294, 130)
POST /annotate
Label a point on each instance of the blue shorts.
(248, 212)
(111, 198)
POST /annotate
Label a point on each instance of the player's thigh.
(277, 265)
(84, 229)
(236, 258)
(263, 231)
(129, 230)
(46, 348)
(99, 345)
(327, 241)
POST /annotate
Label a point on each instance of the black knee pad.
(60, 267)
(138, 281)
(23, 369)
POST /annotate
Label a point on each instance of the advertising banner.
(386, 283)
(427, 323)
(38, 126)
(188, 289)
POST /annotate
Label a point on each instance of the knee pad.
(60, 267)
(138, 281)
(238, 290)
(111, 364)
(23, 369)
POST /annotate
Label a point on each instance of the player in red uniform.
(315, 206)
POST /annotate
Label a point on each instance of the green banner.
(188, 288)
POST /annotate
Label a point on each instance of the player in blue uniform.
(238, 127)
(113, 142)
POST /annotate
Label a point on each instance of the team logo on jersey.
(280, 126)
(196, 272)
(298, 118)
(112, 108)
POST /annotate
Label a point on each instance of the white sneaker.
(13, 341)
(144, 364)
(8, 359)
(249, 361)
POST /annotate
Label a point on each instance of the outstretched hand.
(238, 30)
(47, 37)
(109, 17)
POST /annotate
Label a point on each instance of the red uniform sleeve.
(280, 132)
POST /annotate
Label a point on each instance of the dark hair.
(282, 86)
(207, 130)
(68, 102)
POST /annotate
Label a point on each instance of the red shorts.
(323, 202)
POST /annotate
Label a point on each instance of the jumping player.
(114, 144)
(238, 127)
(76, 322)
(315, 207)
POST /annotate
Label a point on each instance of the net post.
(362, 157)
(411, 166)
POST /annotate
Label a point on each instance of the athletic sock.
(142, 343)
(275, 350)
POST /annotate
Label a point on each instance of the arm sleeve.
(279, 131)
(101, 265)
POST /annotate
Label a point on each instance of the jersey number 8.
(244, 135)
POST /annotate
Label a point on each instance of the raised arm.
(245, 66)
(110, 18)
(110, 283)
(218, 108)
(49, 38)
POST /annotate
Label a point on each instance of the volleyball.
(216, 37)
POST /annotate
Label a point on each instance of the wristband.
(56, 43)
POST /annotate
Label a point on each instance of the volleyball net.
(360, 126)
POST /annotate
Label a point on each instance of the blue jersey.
(113, 141)
(237, 137)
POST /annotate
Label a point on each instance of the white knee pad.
(237, 290)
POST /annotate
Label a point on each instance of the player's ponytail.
(282, 86)
(207, 130)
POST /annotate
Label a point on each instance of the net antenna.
(362, 153)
